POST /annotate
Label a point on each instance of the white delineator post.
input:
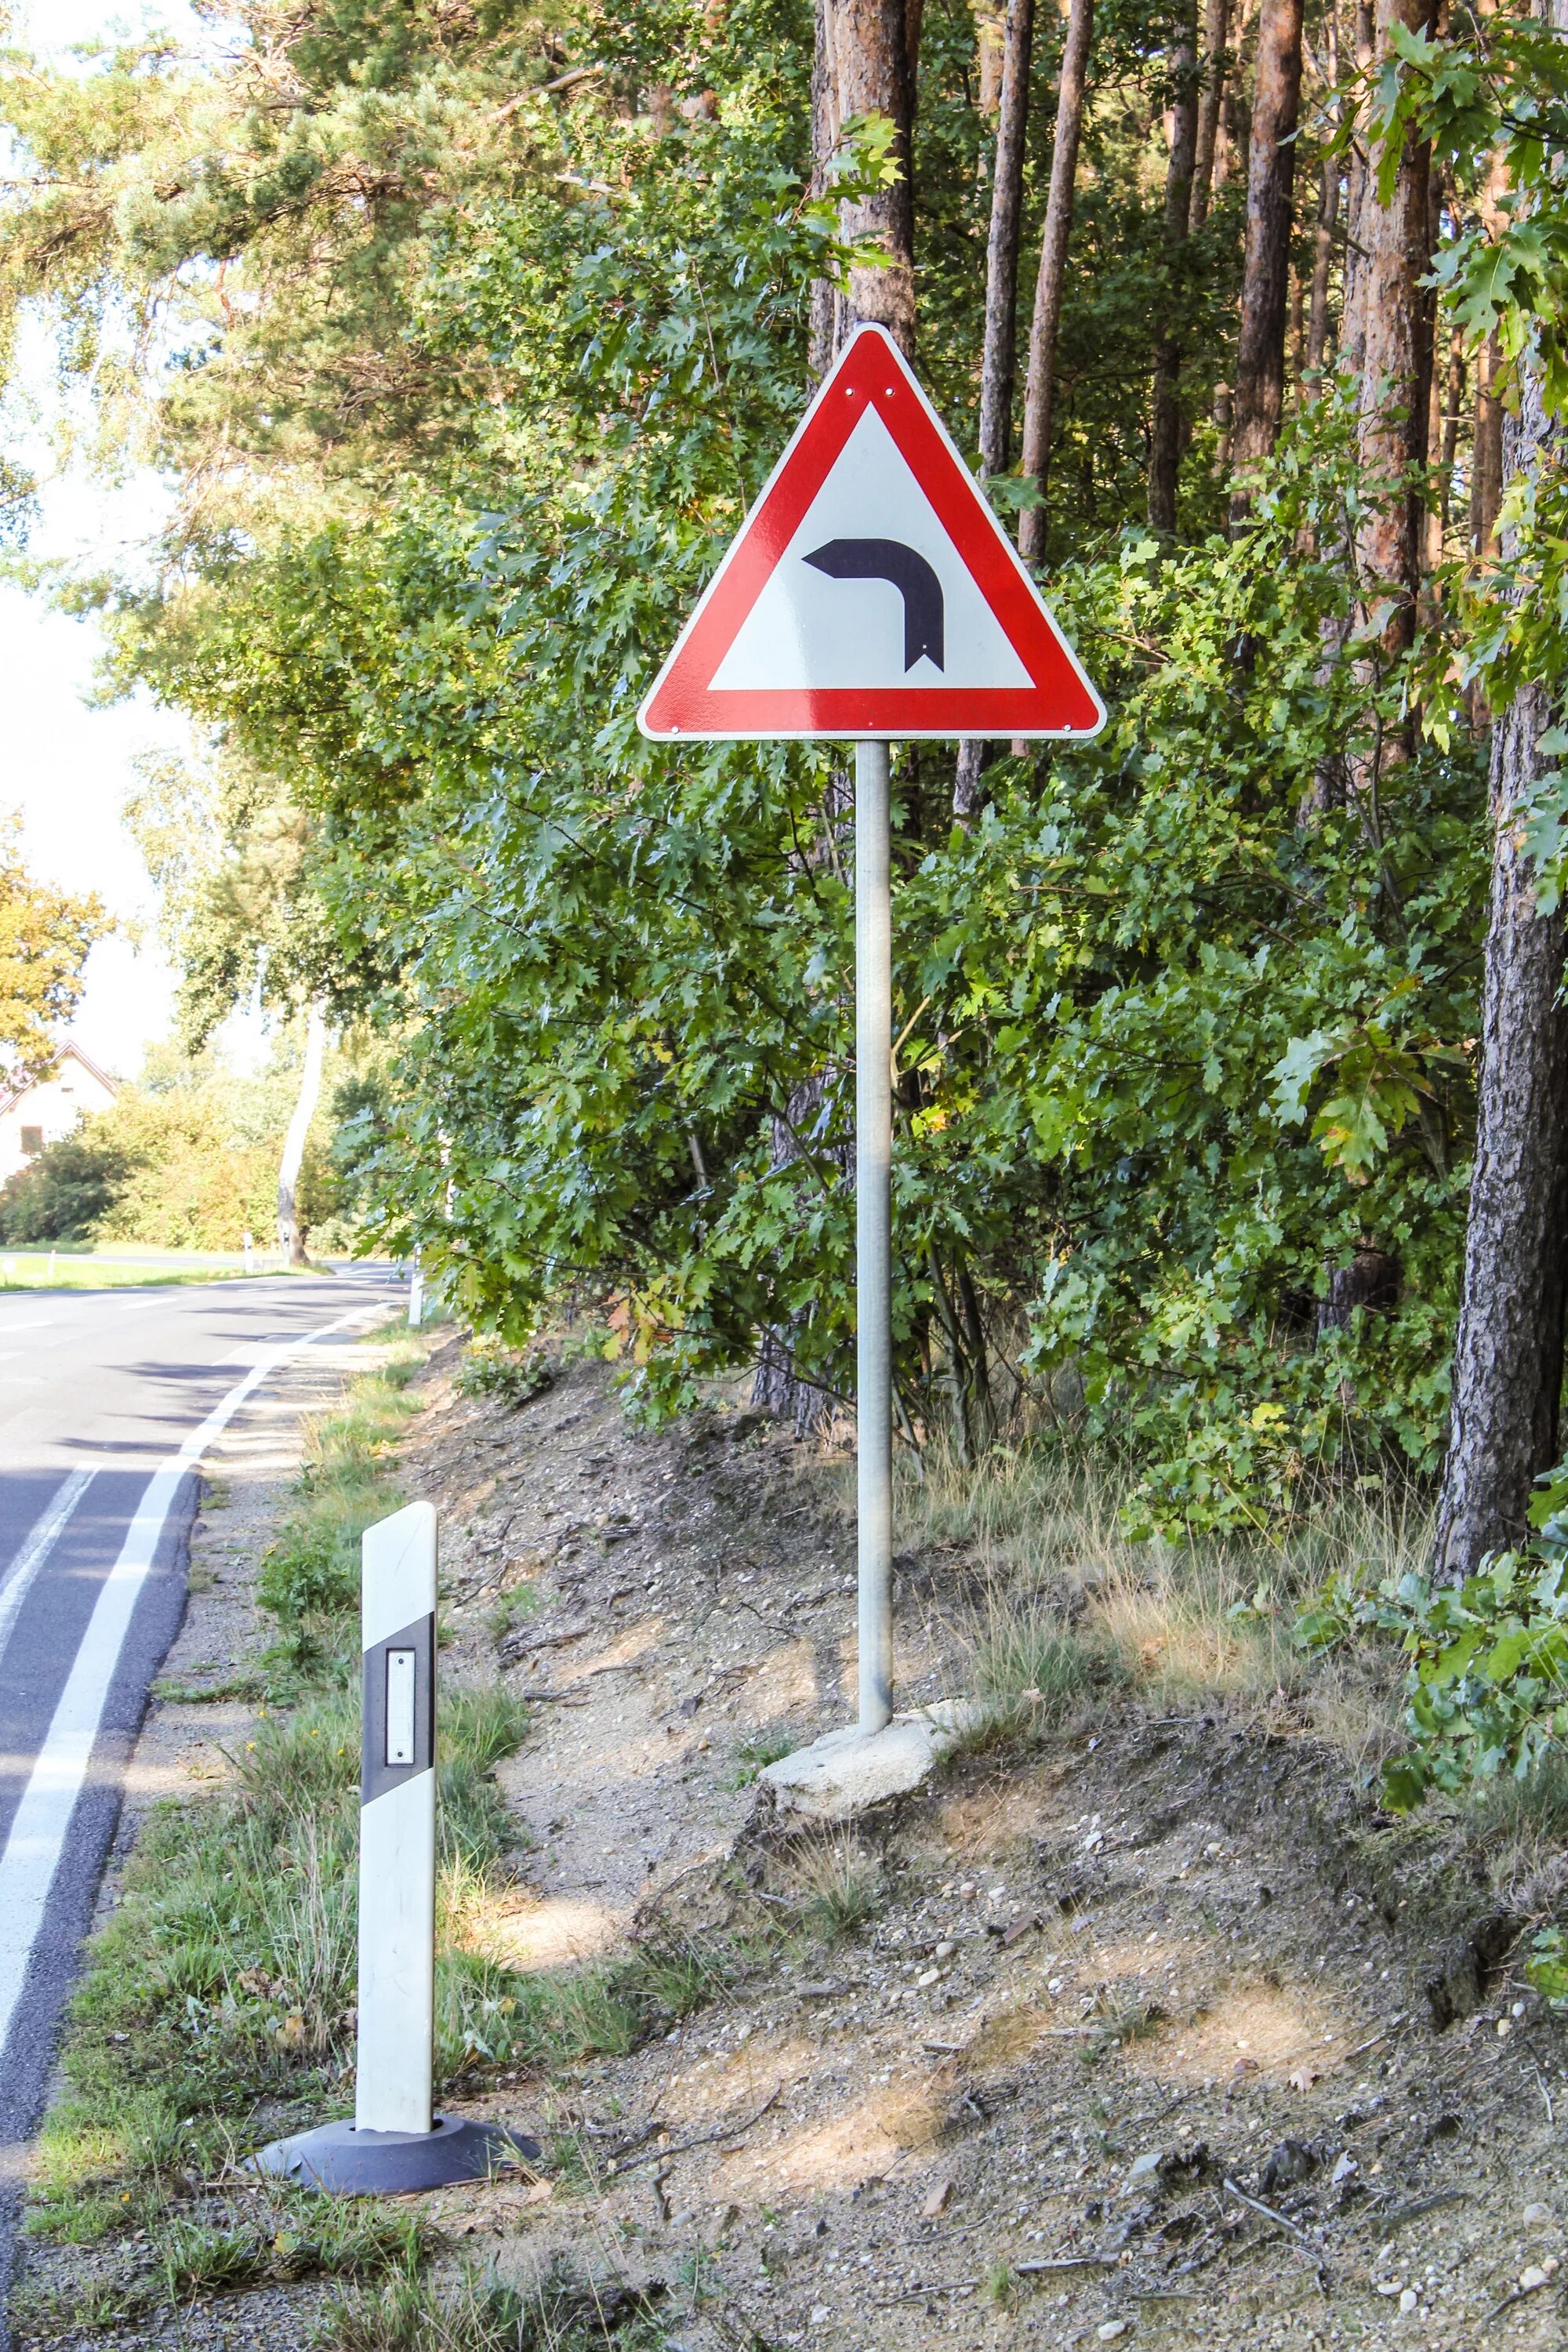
(416, 1295)
(873, 1233)
(398, 1826)
(397, 2143)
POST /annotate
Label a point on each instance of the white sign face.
(871, 592)
(814, 625)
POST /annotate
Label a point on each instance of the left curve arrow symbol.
(890, 560)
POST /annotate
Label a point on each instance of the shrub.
(513, 1374)
(1487, 1683)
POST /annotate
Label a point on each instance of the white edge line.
(40, 1542)
(43, 1818)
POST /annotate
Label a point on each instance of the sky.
(65, 765)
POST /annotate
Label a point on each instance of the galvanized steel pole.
(873, 1233)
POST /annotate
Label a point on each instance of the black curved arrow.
(890, 558)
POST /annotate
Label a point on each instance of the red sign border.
(680, 707)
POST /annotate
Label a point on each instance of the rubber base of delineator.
(343, 2162)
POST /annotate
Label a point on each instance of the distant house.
(47, 1107)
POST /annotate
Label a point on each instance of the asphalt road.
(107, 1399)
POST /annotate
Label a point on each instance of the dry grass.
(1070, 1603)
(836, 1883)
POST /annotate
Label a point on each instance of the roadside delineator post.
(397, 2142)
(416, 1295)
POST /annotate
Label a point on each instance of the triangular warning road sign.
(870, 592)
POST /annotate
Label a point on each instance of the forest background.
(467, 331)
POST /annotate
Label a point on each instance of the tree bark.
(1508, 1355)
(869, 46)
(998, 358)
(1165, 427)
(1040, 384)
(1358, 194)
(1259, 391)
(290, 1239)
(1217, 29)
(1486, 458)
(1395, 363)
(1486, 461)
(826, 301)
(1323, 232)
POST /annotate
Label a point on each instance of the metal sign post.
(397, 2142)
(873, 1233)
(872, 596)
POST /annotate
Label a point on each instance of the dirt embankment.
(1102, 1994)
(1148, 2032)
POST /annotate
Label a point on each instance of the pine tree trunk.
(1396, 363)
(1323, 232)
(1486, 461)
(1165, 425)
(1508, 1356)
(1216, 29)
(1049, 285)
(1259, 391)
(1485, 457)
(290, 1240)
(999, 358)
(869, 46)
(1358, 194)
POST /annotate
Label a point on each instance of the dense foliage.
(44, 936)
(189, 1160)
(491, 329)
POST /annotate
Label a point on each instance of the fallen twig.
(1255, 2205)
(521, 1646)
(1508, 2301)
(1402, 2213)
(1065, 2263)
(933, 2286)
(704, 2139)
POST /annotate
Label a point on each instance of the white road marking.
(43, 1819)
(18, 1576)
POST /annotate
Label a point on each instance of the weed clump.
(839, 1886)
(561, 2314)
(511, 1375)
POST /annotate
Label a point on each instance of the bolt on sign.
(871, 593)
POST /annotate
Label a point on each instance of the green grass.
(69, 1268)
(409, 2312)
(309, 1580)
(755, 1755)
(216, 2008)
(174, 1691)
(217, 2005)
